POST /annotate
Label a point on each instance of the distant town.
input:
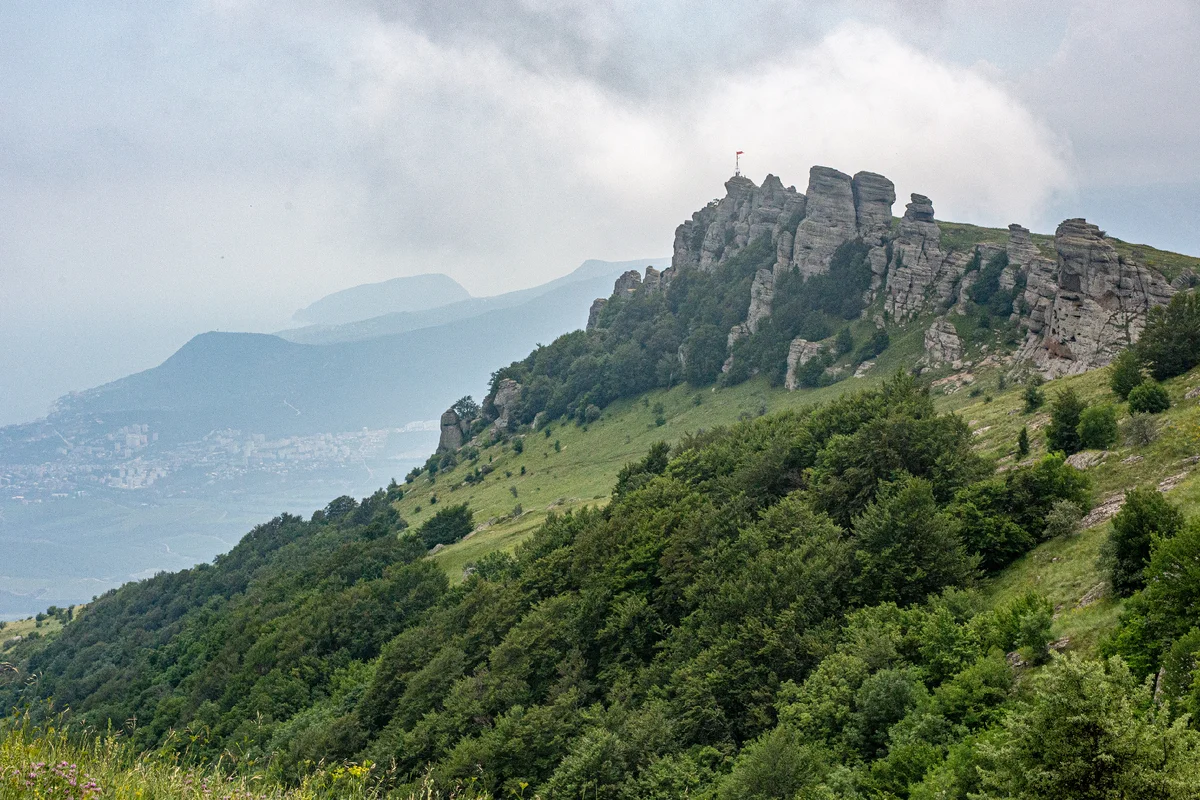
(131, 458)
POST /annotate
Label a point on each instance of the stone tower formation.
(1081, 304)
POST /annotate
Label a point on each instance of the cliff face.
(1087, 307)
(1078, 309)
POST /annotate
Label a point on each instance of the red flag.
(741, 152)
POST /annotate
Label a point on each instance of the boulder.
(943, 345)
(800, 352)
(829, 220)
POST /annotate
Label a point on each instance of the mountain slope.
(400, 322)
(694, 591)
(412, 293)
(264, 384)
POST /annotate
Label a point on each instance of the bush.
(447, 526)
(1063, 433)
(1126, 373)
(1146, 516)
(872, 347)
(1140, 430)
(1035, 398)
(1063, 519)
(1023, 442)
(1148, 398)
(1097, 427)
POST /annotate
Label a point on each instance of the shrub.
(1146, 516)
(447, 526)
(1140, 430)
(1097, 427)
(1035, 398)
(1126, 373)
(1063, 519)
(1148, 398)
(1063, 432)
(1023, 441)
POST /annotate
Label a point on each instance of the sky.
(169, 167)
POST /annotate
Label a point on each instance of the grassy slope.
(1065, 569)
(583, 471)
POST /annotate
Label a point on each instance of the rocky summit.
(1076, 305)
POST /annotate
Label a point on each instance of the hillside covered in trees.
(781, 608)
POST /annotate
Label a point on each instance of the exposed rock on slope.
(724, 227)
(918, 268)
(800, 352)
(508, 393)
(942, 344)
(453, 431)
(1094, 304)
(829, 221)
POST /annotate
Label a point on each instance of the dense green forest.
(781, 608)
(652, 338)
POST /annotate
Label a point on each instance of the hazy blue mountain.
(413, 293)
(262, 383)
(401, 321)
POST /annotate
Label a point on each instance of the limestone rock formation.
(874, 196)
(724, 227)
(508, 394)
(943, 345)
(628, 283)
(1099, 303)
(918, 267)
(594, 312)
(451, 437)
(830, 219)
(800, 352)
(762, 292)
(653, 280)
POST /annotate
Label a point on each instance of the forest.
(785, 607)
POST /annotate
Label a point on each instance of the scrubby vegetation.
(783, 606)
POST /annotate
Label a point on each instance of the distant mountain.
(400, 321)
(262, 383)
(414, 293)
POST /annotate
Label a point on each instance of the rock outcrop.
(594, 312)
(800, 352)
(1095, 304)
(829, 221)
(508, 394)
(943, 345)
(874, 196)
(724, 227)
(628, 283)
(762, 292)
(917, 269)
(453, 431)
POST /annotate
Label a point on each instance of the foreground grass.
(48, 762)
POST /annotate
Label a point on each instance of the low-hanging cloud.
(548, 162)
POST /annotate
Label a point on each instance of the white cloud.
(860, 99)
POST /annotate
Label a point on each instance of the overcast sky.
(173, 167)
